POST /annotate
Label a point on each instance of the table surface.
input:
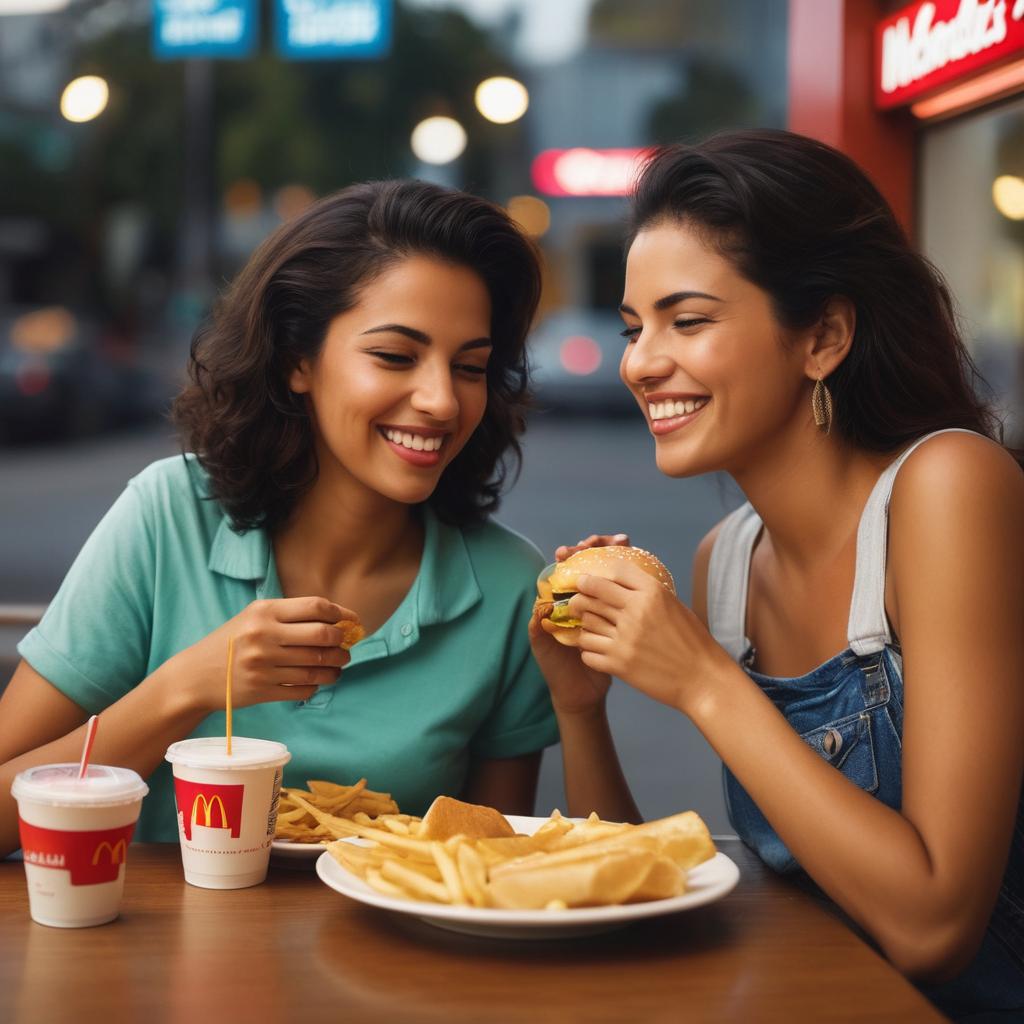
(294, 949)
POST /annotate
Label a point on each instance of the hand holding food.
(633, 626)
(283, 650)
(560, 620)
(595, 540)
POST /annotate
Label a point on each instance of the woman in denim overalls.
(780, 328)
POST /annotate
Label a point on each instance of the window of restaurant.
(971, 225)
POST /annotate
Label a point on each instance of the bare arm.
(507, 783)
(922, 881)
(284, 649)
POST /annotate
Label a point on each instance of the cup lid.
(60, 786)
(211, 752)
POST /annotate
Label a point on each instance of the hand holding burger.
(562, 585)
(619, 607)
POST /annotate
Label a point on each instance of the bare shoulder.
(958, 472)
(701, 560)
(957, 498)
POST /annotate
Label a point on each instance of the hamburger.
(555, 592)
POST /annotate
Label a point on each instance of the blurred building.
(929, 97)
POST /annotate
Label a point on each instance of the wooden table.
(293, 950)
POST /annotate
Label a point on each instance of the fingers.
(308, 609)
(311, 657)
(595, 540)
(601, 591)
(301, 676)
(310, 634)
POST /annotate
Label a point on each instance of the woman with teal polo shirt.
(351, 402)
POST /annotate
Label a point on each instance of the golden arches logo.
(207, 807)
(117, 851)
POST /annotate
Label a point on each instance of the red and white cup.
(227, 808)
(75, 835)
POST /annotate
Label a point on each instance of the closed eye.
(471, 369)
(395, 358)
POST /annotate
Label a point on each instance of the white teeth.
(417, 442)
(667, 409)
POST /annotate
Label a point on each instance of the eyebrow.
(422, 337)
(670, 300)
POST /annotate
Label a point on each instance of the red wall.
(831, 69)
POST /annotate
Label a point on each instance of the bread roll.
(447, 817)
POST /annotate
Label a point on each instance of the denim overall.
(850, 711)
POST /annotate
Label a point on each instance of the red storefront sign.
(587, 172)
(928, 45)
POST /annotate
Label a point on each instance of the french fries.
(319, 814)
(562, 865)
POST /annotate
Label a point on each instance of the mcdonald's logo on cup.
(115, 851)
(90, 857)
(210, 805)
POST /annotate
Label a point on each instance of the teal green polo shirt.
(448, 678)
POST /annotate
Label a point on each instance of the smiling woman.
(352, 400)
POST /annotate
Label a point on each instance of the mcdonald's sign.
(209, 805)
(90, 857)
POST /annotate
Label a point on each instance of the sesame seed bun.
(599, 561)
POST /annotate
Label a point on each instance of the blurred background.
(147, 146)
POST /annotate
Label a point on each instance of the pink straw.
(90, 738)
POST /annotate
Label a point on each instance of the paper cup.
(75, 835)
(227, 808)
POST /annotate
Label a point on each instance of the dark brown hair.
(804, 223)
(253, 435)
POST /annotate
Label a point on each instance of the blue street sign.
(204, 28)
(332, 29)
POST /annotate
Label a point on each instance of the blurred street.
(579, 476)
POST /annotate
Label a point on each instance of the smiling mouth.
(672, 414)
(413, 442)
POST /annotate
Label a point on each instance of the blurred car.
(574, 357)
(62, 374)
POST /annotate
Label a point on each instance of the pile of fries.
(296, 822)
(563, 864)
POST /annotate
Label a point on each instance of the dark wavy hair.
(804, 223)
(253, 435)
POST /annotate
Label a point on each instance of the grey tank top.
(729, 569)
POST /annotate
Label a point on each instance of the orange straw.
(227, 699)
(90, 738)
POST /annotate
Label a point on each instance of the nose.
(644, 361)
(434, 394)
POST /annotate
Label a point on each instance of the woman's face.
(400, 384)
(705, 357)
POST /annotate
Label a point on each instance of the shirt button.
(406, 630)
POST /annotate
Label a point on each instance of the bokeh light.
(533, 215)
(502, 100)
(1008, 195)
(84, 98)
(291, 200)
(438, 140)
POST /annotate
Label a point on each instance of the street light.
(84, 98)
(502, 100)
(438, 140)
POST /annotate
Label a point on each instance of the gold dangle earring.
(821, 405)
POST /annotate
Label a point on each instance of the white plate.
(705, 883)
(304, 852)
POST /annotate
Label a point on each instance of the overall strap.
(728, 576)
(868, 631)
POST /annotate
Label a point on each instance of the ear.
(830, 339)
(299, 380)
